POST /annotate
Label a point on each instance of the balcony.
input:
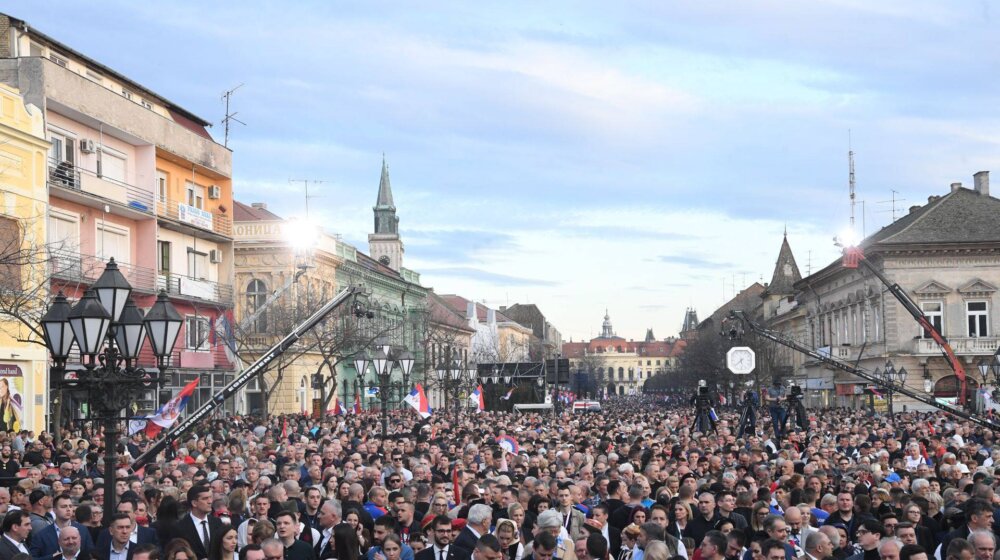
(71, 266)
(85, 186)
(189, 216)
(970, 346)
(188, 287)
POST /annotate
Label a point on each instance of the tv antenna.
(306, 182)
(230, 117)
(893, 201)
(850, 166)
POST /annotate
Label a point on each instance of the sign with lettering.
(194, 216)
(259, 230)
(11, 397)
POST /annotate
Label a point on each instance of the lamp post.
(990, 371)
(109, 331)
(452, 374)
(385, 359)
(893, 378)
(928, 382)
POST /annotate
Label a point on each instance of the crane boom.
(866, 375)
(246, 375)
(854, 256)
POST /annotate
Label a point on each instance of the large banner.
(11, 397)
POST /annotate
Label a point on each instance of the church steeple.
(384, 244)
(386, 220)
(786, 272)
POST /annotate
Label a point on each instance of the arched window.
(611, 373)
(256, 297)
(631, 375)
(621, 390)
(621, 374)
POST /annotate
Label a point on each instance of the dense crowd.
(632, 481)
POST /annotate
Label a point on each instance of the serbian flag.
(284, 429)
(357, 403)
(509, 444)
(418, 400)
(509, 393)
(477, 399)
(171, 411)
(337, 410)
(455, 485)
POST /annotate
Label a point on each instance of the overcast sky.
(637, 156)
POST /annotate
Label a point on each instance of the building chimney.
(955, 186)
(259, 205)
(982, 180)
(915, 208)
(470, 311)
(491, 316)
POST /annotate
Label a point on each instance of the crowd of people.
(632, 481)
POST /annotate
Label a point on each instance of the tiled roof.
(961, 216)
(246, 213)
(440, 312)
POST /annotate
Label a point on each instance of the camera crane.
(358, 309)
(737, 321)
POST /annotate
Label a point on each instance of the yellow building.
(23, 358)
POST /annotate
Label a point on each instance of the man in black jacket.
(286, 526)
(441, 547)
(198, 526)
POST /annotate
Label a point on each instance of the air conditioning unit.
(214, 192)
(87, 146)
(215, 256)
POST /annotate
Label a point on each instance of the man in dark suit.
(328, 517)
(138, 535)
(16, 527)
(198, 526)
(46, 542)
(441, 548)
(120, 547)
(68, 546)
(477, 525)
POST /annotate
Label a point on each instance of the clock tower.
(384, 245)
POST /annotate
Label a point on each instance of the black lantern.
(130, 333)
(89, 321)
(381, 362)
(112, 290)
(406, 362)
(56, 330)
(361, 363)
(163, 324)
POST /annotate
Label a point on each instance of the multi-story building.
(134, 177)
(448, 337)
(619, 365)
(546, 340)
(944, 254)
(23, 202)
(497, 338)
(271, 258)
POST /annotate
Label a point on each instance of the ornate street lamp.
(110, 331)
(383, 361)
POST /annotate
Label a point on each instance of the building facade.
(619, 365)
(546, 340)
(134, 177)
(944, 254)
(23, 206)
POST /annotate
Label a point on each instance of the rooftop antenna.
(306, 182)
(229, 116)
(893, 201)
(809, 264)
(850, 165)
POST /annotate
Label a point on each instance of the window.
(164, 252)
(195, 195)
(657, 362)
(34, 49)
(10, 272)
(648, 363)
(111, 165)
(933, 310)
(197, 264)
(126, 94)
(196, 336)
(64, 231)
(94, 77)
(146, 104)
(621, 374)
(161, 186)
(978, 318)
(256, 297)
(58, 59)
(112, 241)
(62, 148)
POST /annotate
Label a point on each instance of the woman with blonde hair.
(510, 544)
(630, 535)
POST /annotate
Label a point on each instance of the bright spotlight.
(846, 238)
(301, 234)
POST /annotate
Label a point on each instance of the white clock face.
(740, 360)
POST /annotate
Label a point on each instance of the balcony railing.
(176, 284)
(71, 266)
(962, 346)
(67, 176)
(203, 219)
